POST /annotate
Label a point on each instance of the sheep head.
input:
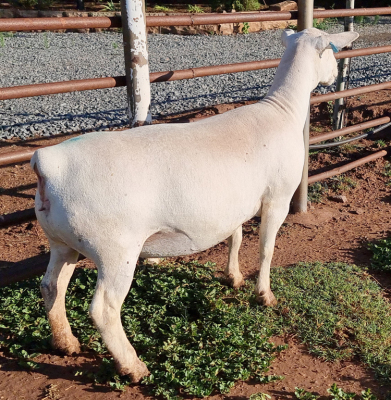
(320, 47)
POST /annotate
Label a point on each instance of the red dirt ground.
(330, 231)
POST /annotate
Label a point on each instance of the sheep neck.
(294, 80)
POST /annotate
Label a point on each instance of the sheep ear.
(285, 36)
(336, 41)
(341, 40)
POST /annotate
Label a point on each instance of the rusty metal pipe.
(349, 129)
(162, 76)
(17, 92)
(28, 24)
(365, 51)
(17, 157)
(350, 92)
(51, 24)
(351, 13)
(217, 18)
(346, 167)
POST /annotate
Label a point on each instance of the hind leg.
(115, 275)
(53, 288)
(232, 272)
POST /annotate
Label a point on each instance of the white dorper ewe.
(170, 190)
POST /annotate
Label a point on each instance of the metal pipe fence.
(27, 24)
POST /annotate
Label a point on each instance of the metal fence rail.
(39, 89)
(29, 24)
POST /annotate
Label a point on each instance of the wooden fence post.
(136, 61)
(305, 20)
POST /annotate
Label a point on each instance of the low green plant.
(342, 183)
(380, 143)
(387, 169)
(46, 41)
(320, 304)
(110, 6)
(316, 191)
(338, 394)
(194, 9)
(162, 8)
(198, 336)
(330, 110)
(302, 394)
(245, 28)
(194, 334)
(376, 19)
(381, 258)
(325, 23)
(259, 396)
(237, 5)
(368, 395)
(366, 20)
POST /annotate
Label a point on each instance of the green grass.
(162, 8)
(316, 191)
(199, 337)
(194, 9)
(335, 392)
(342, 183)
(325, 24)
(193, 333)
(366, 20)
(338, 311)
(381, 259)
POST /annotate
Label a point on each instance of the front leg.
(232, 271)
(272, 217)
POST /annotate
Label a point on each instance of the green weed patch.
(381, 259)
(195, 335)
(338, 311)
(198, 337)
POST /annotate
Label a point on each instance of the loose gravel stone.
(27, 58)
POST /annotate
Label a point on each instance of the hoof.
(234, 282)
(136, 373)
(67, 346)
(267, 299)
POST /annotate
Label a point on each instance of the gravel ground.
(27, 58)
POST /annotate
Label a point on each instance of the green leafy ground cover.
(381, 259)
(197, 336)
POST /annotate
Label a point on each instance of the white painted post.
(305, 20)
(136, 61)
(343, 76)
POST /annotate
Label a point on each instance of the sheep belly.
(171, 244)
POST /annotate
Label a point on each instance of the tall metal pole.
(136, 61)
(305, 20)
(343, 76)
